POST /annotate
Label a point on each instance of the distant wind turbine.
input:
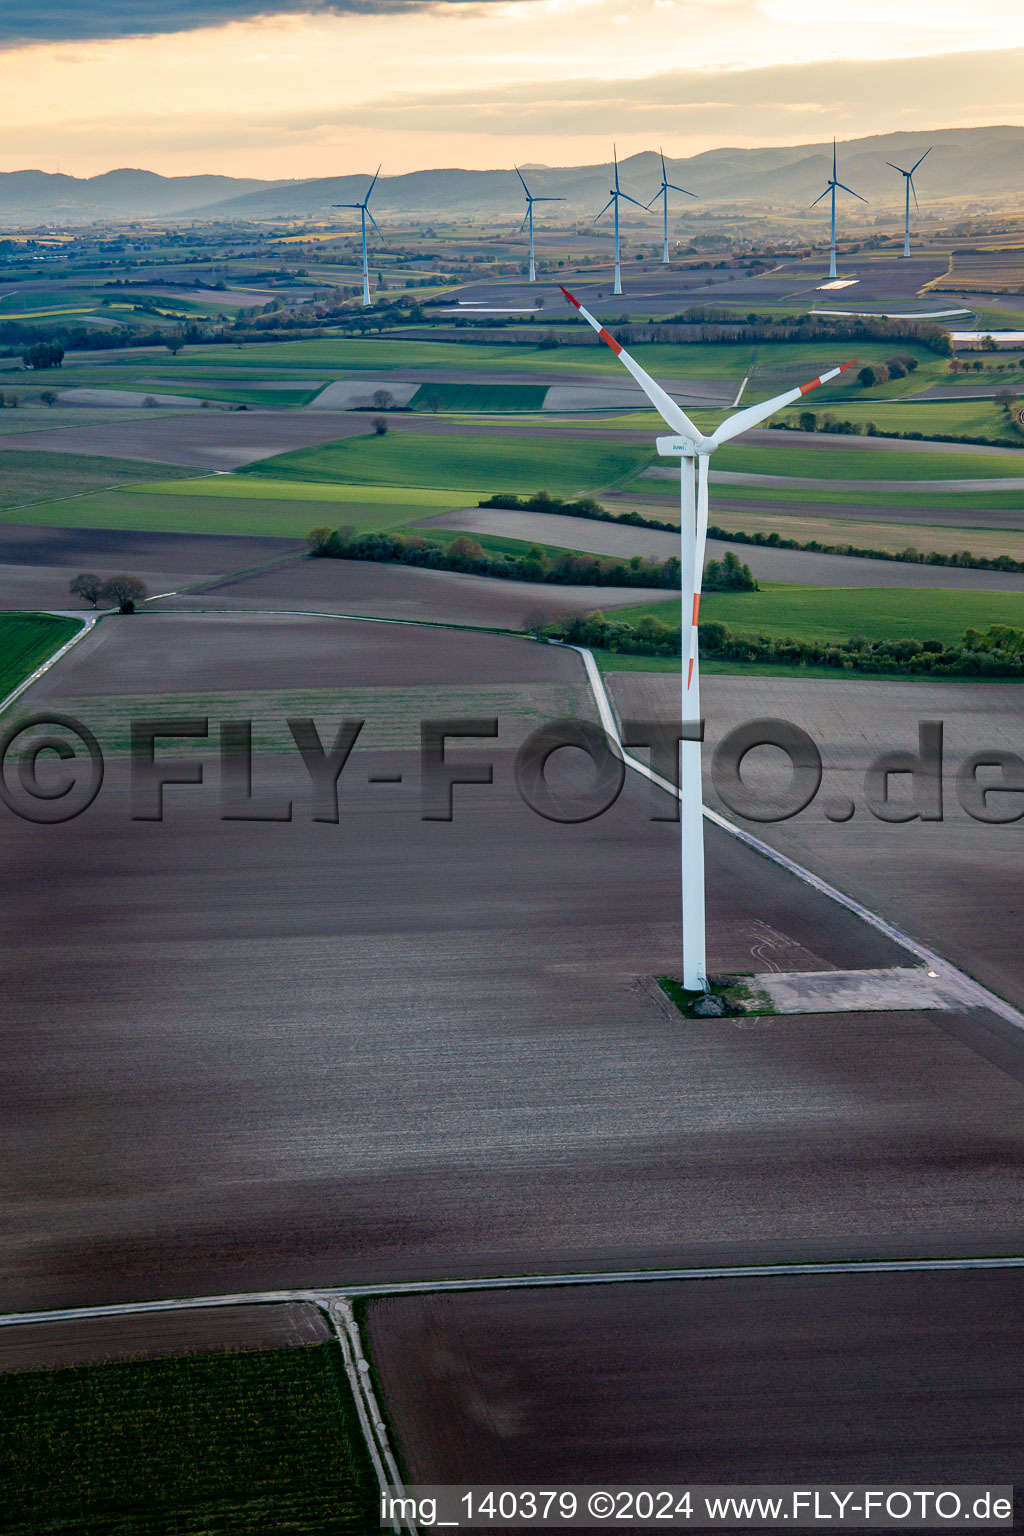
(832, 185)
(613, 202)
(909, 179)
(694, 450)
(662, 192)
(364, 214)
(528, 217)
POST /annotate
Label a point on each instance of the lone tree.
(49, 397)
(380, 426)
(43, 354)
(88, 585)
(383, 400)
(125, 591)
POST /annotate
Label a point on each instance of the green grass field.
(837, 613)
(27, 477)
(273, 517)
(910, 501)
(853, 464)
(968, 418)
(26, 639)
(213, 1445)
(478, 465)
(684, 360)
(479, 397)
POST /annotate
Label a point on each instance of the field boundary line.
(972, 993)
(323, 1297)
(89, 622)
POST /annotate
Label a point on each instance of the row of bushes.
(830, 423)
(541, 501)
(468, 556)
(996, 652)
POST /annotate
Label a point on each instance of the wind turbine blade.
(615, 160)
(817, 200)
(683, 190)
(700, 544)
(660, 193)
(666, 407)
(605, 208)
(833, 159)
(664, 173)
(346, 205)
(522, 226)
(520, 175)
(844, 188)
(927, 152)
(632, 199)
(373, 183)
(900, 168)
(754, 414)
(913, 189)
(547, 199)
(373, 221)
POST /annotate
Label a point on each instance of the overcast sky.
(298, 89)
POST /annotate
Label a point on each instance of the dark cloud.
(72, 21)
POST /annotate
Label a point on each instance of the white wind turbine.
(613, 202)
(662, 192)
(364, 214)
(831, 187)
(694, 450)
(908, 177)
(528, 217)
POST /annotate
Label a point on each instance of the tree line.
(995, 652)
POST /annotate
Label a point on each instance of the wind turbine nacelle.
(670, 447)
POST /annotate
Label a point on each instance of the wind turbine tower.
(831, 188)
(613, 202)
(694, 450)
(908, 177)
(364, 214)
(528, 217)
(662, 192)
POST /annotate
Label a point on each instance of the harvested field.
(221, 985)
(400, 592)
(155, 653)
(37, 563)
(884, 1379)
(776, 565)
(985, 271)
(896, 536)
(906, 871)
(207, 440)
(150, 1336)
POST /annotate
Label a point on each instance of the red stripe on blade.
(696, 606)
(569, 296)
(610, 340)
(805, 389)
(689, 673)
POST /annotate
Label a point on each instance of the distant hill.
(979, 164)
